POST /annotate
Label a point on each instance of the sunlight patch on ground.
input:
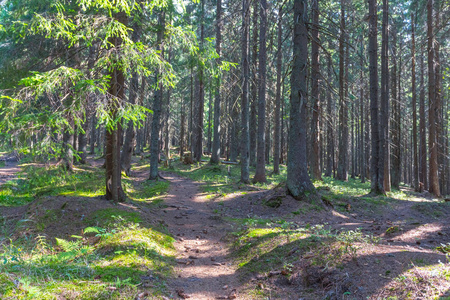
(418, 233)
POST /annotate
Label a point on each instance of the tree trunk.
(93, 134)
(114, 189)
(298, 182)
(414, 104)
(362, 119)
(67, 152)
(260, 174)
(82, 141)
(209, 135)
(130, 136)
(245, 140)
(215, 156)
(384, 159)
(396, 117)
(343, 116)
(157, 105)
(330, 123)
(376, 175)
(423, 177)
(254, 85)
(277, 131)
(198, 122)
(434, 109)
(315, 171)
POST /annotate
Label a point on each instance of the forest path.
(203, 270)
(9, 170)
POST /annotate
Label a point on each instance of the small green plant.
(99, 232)
(392, 229)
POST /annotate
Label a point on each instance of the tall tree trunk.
(396, 117)
(384, 158)
(298, 182)
(116, 91)
(157, 105)
(93, 136)
(83, 134)
(67, 151)
(198, 122)
(414, 104)
(215, 156)
(434, 109)
(376, 175)
(438, 100)
(209, 135)
(130, 137)
(330, 123)
(315, 171)
(245, 140)
(423, 171)
(362, 119)
(254, 85)
(260, 174)
(82, 141)
(343, 116)
(277, 120)
(182, 130)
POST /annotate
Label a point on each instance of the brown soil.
(206, 271)
(9, 171)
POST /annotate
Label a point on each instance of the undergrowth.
(261, 248)
(103, 263)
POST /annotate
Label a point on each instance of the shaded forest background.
(218, 78)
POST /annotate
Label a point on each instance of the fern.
(68, 246)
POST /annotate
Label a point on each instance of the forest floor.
(200, 234)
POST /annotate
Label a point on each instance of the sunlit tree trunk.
(157, 105)
(215, 156)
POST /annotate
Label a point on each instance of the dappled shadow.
(408, 232)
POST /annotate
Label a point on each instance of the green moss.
(6, 285)
(110, 216)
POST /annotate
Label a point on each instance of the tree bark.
(254, 85)
(157, 105)
(116, 90)
(376, 175)
(434, 109)
(130, 136)
(298, 182)
(343, 115)
(245, 139)
(315, 170)
(198, 122)
(277, 120)
(330, 123)
(414, 108)
(260, 174)
(396, 170)
(215, 156)
(384, 159)
(362, 119)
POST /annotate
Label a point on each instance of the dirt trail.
(9, 171)
(203, 270)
